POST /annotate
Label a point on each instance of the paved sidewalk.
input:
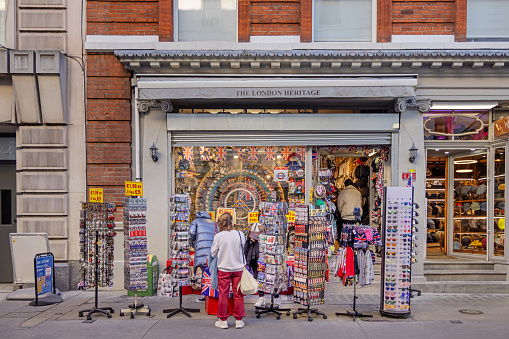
(433, 316)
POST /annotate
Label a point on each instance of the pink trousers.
(224, 279)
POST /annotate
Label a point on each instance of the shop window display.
(242, 177)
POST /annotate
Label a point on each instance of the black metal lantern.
(153, 152)
(413, 153)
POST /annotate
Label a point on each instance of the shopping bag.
(165, 284)
(248, 284)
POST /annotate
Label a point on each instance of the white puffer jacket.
(348, 199)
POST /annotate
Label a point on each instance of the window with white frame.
(487, 19)
(342, 20)
(206, 20)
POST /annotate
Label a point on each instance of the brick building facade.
(136, 63)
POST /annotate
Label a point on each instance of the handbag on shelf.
(248, 284)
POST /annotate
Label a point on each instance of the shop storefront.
(465, 185)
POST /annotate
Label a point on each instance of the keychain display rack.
(397, 238)
(135, 252)
(180, 205)
(97, 222)
(272, 272)
(355, 238)
(310, 259)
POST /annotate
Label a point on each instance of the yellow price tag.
(134, 188)
(290, 217)
(253, 217)
(95, 194)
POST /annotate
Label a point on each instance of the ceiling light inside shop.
(446, 152)
(437, 149)
(472, 149)
(464, 105)
(465, 162)
(465, 170)
(235, 156)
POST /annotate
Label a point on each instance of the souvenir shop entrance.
(239, 170)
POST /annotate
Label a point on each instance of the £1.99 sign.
(95, 195)
(134, 188)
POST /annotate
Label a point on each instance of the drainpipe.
(137, 149)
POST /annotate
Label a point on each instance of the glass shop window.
(207, 20)
(499, 208)
(487, 20)
(239, 177)
(456, 125)
(342, 20)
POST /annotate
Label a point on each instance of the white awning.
(276, 87)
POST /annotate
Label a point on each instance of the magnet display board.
(24, 247)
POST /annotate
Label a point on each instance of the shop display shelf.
(439, 200)
(470, 217)
(469, 200)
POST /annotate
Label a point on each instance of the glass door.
(436, 197)
(499, 197)
(470, 218)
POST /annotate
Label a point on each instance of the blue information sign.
(44, 273)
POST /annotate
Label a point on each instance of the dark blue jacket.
(201, 236)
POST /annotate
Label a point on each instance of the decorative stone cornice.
(403, 104)
(199, 61)
(145, 105)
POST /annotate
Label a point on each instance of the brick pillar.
(460, 20)
(244, 27)
(306, 21)
(166, 20)
(108, 131)
(384, 21)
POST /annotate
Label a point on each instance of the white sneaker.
(260, 302)
(239, 324)
(222, 324)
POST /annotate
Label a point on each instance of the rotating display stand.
(135, 252)
(272, 277)
(398, 237)
(179, 211)
(310, 255)
(97, 221)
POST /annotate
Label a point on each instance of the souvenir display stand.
(135, 252)
(272, 271)
(179, 212)
(96, 242)
(356, 238)
(310, 259)
(397, 238)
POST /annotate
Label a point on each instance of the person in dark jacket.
(201, 237)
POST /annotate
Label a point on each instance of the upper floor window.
(207, 20)
(342, 20)
(487, 19)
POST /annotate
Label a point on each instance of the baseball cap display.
(484, 205)
(501, 224)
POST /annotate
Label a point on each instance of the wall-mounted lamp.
(153, 152)
(413, 153)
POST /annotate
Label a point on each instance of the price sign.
(290, 217)
(134, 188)
(253, 217)
(95, 195)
